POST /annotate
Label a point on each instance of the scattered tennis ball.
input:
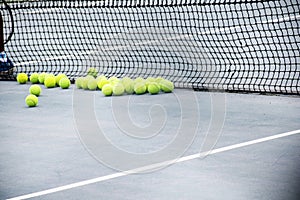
(140, 88)
(99, 78)
(35, 90)
(93, 72)
(22, 78)
(84, 83)
(158, 79)
(107, 90)
(118, 89)
(42, 77)
(139, 79)
(50, 81)
(113, 80)
(166, 85)
(128, 85)
(31, 100)
(102, 82)
(153, 88)
(92, 84)
(78, 82)
(64, 83)
(59, 77)
(34, 78)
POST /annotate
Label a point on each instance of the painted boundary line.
(133, 171)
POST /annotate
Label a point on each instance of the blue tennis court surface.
(44, 156)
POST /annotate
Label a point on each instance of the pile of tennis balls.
(49, 80)
(119, 86)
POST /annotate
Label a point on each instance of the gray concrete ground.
(41, 148)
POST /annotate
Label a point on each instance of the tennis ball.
(128, 85)
(166, 85)
(50, 81)
(64, 83)
(140, 88)
(118, 89)
(78, 82)
(153, 88)
(22, 78)
(34, 78)
(35, 90)
(107, 90)
(92, 72)
(42, 77)
(99, 78)
(59, 77)
(113, 80)
(139, 79)
(158, 79)
(92, 84)
(84, 83)
(31, 100)
(102, 82)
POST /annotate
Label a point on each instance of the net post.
(1, 34)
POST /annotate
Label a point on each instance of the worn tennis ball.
(153, 88)
(107, 90)
(58, 77)
(92, 71)
(84, 83)
(92, 84)
(50, 81)
(128, 85)
(64, 83)
(99, 78)
(139, 79)
(22, 78)
(118, 89)
(35, 90)
(140, 88)
(113, 80)
(31, 100)
(166, 85)
(78, 82)
(103, 81)
(34, 78)
(42, 77)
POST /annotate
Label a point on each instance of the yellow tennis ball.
(118, 89)
(22, 78)
(99, 78)
(102, 82)
(35, 90)
(153, 88)
(139, 79)
(92, 72)
(42, 77)
(140, 88)
(64, 83)
(34, 78)
(50, 81)
(31, 100)
(84, 83)
(166, 85)
(78, 82)
(92, 84)
(58, 77)
(128, 85)
(113, 80)
(107, 90)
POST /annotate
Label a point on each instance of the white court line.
(149, 167)
(120, 47)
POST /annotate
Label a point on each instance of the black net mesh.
(251, 46)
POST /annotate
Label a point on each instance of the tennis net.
(231, 45)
